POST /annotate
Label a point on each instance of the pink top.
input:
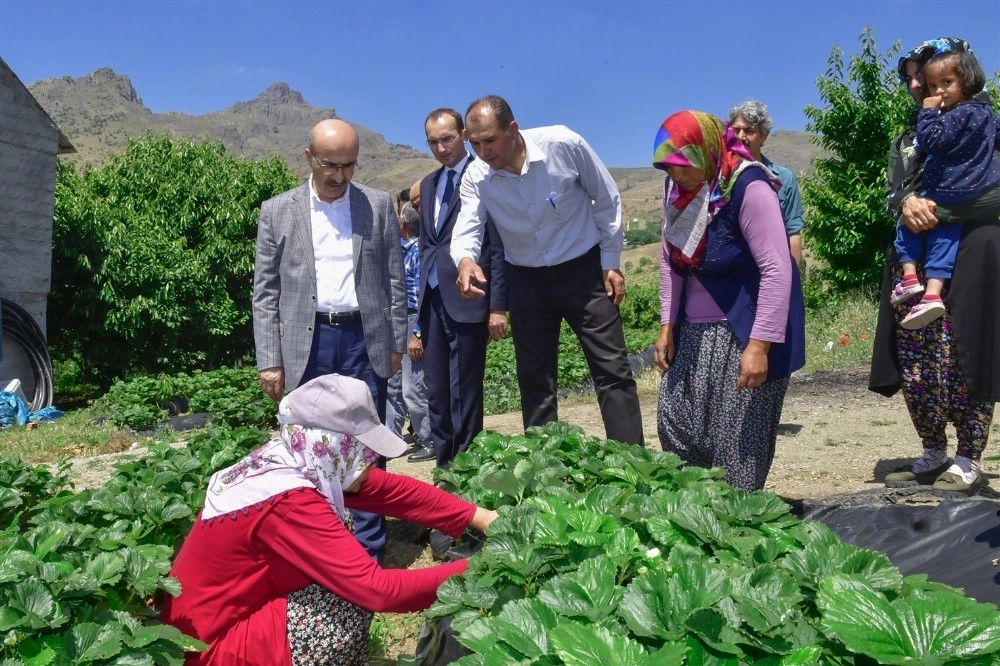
(236, 571)
(762, 226)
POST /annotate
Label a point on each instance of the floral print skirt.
(325, 629)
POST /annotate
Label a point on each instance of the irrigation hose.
(21, 327)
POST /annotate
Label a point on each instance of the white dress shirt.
(563, 203)
(333, 248)
(443, 181)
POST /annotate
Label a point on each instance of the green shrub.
(153, 255)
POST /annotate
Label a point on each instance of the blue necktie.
(449, 190)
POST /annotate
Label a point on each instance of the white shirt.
(333, 248)
(442, 183)
(563, 203)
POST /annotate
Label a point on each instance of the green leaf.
(657, 604)
(924, 628)
(589, 592)
(44, 538)
(523, 625)
(582, 645)
(91, 642)
(106, 568)
(34, 603)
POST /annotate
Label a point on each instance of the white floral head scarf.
(298, 458)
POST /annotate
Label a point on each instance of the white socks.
(931, 460)
(964, 467)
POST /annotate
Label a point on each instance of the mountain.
(642, 188)
(99, 111)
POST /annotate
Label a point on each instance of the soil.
(836, 438)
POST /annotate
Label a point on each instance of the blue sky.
(610, 70)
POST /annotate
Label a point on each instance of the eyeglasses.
(444, 141)
(330, 166)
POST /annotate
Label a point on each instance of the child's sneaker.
(902, 293)
(922, 314)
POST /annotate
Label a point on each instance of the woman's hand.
(917, 214)
(482, 518)
(753, 364)
(663, 348)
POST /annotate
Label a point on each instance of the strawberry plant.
(606, 553)
(81, 574)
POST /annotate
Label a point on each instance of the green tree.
(153, 257)
(865, 109)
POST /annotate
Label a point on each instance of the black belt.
(339, 318)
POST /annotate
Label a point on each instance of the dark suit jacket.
(284, 290)
(435, 245)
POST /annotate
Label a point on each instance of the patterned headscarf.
(928, 50)
(696, 139)
(299, 457)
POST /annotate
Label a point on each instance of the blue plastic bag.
(13, 410)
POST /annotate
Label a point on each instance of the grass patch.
(841, 334)
(75, 434)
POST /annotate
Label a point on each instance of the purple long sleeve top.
(762, 226)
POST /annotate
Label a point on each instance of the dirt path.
(837, 437)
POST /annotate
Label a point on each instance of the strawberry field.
(613, 554)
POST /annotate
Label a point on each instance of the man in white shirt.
(329, 292)
(558, 212)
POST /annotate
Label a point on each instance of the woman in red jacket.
(270, 573)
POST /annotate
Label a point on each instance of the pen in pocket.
(552, 199)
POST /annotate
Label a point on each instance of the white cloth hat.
(343, 405)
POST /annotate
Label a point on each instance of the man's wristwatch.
(416, 334)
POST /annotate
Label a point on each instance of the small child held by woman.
(958, 132)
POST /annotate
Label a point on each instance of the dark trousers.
(540, 298)
(341, 349)
(454, 368)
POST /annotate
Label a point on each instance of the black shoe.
(414, 448)
(423, 455)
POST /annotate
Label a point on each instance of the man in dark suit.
(454, 330)
(328, 284)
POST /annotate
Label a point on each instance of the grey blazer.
(284, 284)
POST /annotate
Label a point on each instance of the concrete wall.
(29, 142)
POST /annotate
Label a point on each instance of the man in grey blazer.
(329, 291)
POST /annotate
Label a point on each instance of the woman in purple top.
(731, 311)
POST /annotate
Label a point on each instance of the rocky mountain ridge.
(99, 111)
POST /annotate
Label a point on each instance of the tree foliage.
(153, 257)
(865, 110)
